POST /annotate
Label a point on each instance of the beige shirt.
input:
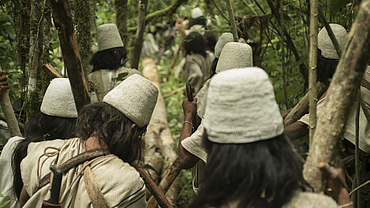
(120, 183)
(196, 68)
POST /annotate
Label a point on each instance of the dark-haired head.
(112, 59)
(41, 128)
(259, 174)
(195, 43)
(113, 129)
(210, 40)
(198, 21)
(325, 68)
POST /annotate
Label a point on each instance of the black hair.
(195, 42)
(210, 41)
(113, 129)
(112, 59)
(325, 68)
(41, 128)
(198, 21)
(265, 174)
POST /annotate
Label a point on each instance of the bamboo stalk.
(232, 20)
(313, 68)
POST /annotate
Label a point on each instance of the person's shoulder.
(311, 200)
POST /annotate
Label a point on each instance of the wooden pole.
(330, 32)
(63, 22)
(139, 34)
(282, 54)
(9, 115)
(313, 67)
(232, 20)
(340, 94)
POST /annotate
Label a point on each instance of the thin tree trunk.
(313, 67)
(339, 97)
(282, 54)
(9, 115)
(232, 20)
(139, 34)
(82, 20)
(121, 19)
(47, 26)
(63, 22)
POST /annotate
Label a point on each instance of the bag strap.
(73, 162)
(96, 196)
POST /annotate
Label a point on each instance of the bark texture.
(139, 34)
(341, 92)
(121, 19)
(232, 20)
(9, 115)
(63, 22)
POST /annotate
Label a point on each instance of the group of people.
(240, 154)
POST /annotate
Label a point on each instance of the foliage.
(5, 202)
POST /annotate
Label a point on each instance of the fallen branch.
(50, 71)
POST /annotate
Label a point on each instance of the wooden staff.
(10, 118)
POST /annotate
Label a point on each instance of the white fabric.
(310, 200)
(196, 13)
(193, 144)
(58, 99)
(4, 133)
(241, 107)
(135, 97)
(6, 173)
(224, 38)
(235, 55)
(107, 76)
(326, 45)
(119, 183)
(108, 37)
(195, 28)
(150, 46)
(349, 128)
(202, 99)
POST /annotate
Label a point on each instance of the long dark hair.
(41, 128)
(195, 42)
(198, 21)
(325, 68)
(112, 58)
(259, 174)
(112, 128)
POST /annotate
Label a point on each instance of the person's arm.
(187, 160)
(23, 198)
(296, 130)
(337, 185)
(4, 85)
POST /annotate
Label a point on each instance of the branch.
(330, 32)
(232, 20)
(219, 10)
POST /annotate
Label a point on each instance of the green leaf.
(337, 5)
(4, 203)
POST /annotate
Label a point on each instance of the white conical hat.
(196, 13)
(224, 38)
(58, 99)
(135, 97)
(108, 37)
(241, 107)
(326, 45)
(235, 55)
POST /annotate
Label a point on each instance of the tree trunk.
(313, 68)
(121, 19)
(63, 22)
(339, 96)
(33, 102)
(9, 115)
(82, 20)
(232, 20)
(139, 34)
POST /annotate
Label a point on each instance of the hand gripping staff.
(53, 202)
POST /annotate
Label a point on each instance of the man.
(191, 153)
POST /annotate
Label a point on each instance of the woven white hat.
(196, 13)
(58, 99)
(235, 55)
(135, 97)
(326, 45)
(224, 38)
(108, 37)
(241, 107)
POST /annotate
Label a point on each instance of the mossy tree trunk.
(121, 19)
(209, 8)
(82, 21)
(34, 99)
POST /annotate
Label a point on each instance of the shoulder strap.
(73, 162)
(96, 197)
